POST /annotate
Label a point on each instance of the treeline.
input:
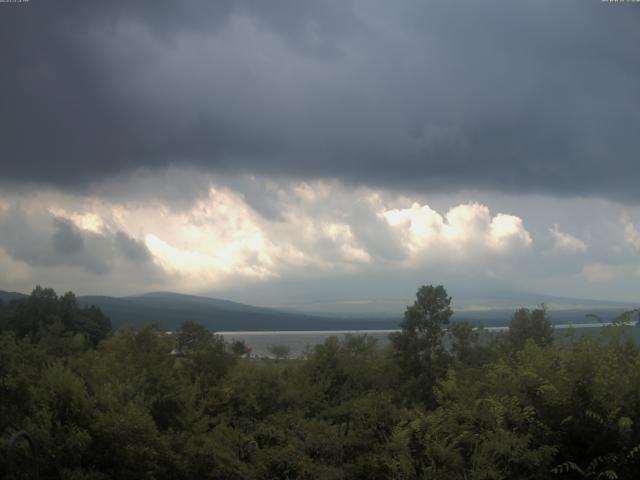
(440, 402)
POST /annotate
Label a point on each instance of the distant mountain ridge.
(170, 309)
(8, 296)
(168, 297)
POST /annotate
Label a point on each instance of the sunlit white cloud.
(507, 233)
(202, 266)
(465, 230)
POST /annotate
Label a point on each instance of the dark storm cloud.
(513, 96)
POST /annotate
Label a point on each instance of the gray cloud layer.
(513, 96)
(40, 239)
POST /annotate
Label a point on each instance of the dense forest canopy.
(442, 401)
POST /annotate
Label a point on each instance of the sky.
(326, 156)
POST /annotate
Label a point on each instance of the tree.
(193, 336)
(418, 346)
(205, 357)
(467, 345)
(44, 315)
(530, 324)
(279, 351)
(239, 348)
(33, 315)
(92, 323)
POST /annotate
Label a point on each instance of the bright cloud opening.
(466, 229)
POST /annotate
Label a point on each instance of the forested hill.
(169, 310)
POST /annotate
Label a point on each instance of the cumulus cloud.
(565, 242)
(465, 230)
(314, 229)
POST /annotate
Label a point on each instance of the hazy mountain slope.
(502, 317)
(506, 299)
(171, 309)
(8, 296)
(169, 298)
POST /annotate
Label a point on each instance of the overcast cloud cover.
(290, 151)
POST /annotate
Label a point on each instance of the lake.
(298, 341)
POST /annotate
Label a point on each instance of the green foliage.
(530, 325)
(279, 351)
(239, 348)
(418, 346)
(193, 337)
(44, 314)
(340, 369)
(256, 391)
(124, 405)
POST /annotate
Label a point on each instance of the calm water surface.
(298, 341)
